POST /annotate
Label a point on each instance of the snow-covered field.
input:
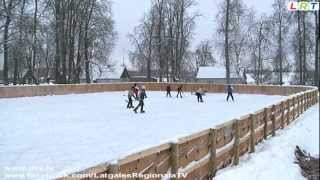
(274, 159)
(62, 134)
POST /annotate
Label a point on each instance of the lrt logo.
(303, 6)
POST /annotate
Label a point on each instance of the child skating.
(199, 93)
(179, 90)
(142, 95)
(130, 95)
(168, 91)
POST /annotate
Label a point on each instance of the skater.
(130, 95)
(230, 90)
(135, 90)
(142, 96)
(199, 93)
(179, 91)
(168, 91)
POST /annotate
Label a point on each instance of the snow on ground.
(71, 132)
(274, 159)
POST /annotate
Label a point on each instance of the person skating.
(168, 91)
(130, 95)
(142, 96)
(199, 93)
(179, 91)
(230, 92)
(135, 90)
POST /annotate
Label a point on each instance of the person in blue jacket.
(142, 95)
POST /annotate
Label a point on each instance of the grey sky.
(128, 13)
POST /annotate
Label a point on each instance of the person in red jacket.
(135, 90)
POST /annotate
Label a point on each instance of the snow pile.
(274, 159)
(71, 132)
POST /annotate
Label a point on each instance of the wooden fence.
(43, 90)
(200, 155)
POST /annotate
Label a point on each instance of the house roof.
(207, 72)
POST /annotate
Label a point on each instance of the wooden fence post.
(314, 98)
(282, 114)
(299, 105)
(294, 108)
(302, 103)
(212, 162)
(273, 120)
(252, 132)
(310, 103)
(113, 169)
(265, 127)
(288, 112)
(236, 143)
(305, 102)
(174, 158)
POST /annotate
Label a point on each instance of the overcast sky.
(128, 13)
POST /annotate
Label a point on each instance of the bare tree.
(226, 42)
(280, 19)
(8, 6)
(203, 55)
(260, 45)
(162, 39)
(317, 49)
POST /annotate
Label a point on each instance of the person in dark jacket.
(142, 96)
(230, 92)
(179, 91)
(199, 93)
(130, 95)
(168, 91)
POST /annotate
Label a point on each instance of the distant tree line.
(265, 45)
(70, 39)
(289, 41)
(63, 40)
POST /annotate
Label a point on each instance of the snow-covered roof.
(287, 78)
(250, 79)
(115, 73)
(206, 72)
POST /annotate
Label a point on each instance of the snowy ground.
(61, 134)
(274, 158)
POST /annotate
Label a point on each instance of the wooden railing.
(200, 155)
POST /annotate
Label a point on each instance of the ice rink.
(71, 132)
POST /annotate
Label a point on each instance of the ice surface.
(71, 132)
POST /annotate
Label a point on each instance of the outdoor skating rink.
(70, 132)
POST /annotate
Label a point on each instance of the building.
(137, 76)
(216, 75)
